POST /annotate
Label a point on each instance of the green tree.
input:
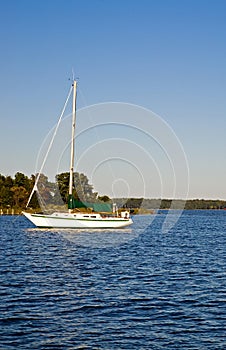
(45, 188)
(6, 196)
(22, 180)
(20, 196)
(104, 198)
(82, 190)
(62, 181)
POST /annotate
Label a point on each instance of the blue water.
(138, 289)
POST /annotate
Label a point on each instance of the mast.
(72, 139)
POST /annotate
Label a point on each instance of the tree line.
(15, 191)
(190, 204)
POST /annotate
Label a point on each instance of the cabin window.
(93, 216)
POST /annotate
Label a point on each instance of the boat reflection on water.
(95, 238)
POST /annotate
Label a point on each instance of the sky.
(165, 56)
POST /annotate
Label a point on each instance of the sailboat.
(74, 218)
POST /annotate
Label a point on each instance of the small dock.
(9, 211)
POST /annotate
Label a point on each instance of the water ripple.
(147, 290)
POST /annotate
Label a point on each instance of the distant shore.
(15, 193)
(16, 212)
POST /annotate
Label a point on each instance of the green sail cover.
(99, 206)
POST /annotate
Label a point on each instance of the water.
(138, 289)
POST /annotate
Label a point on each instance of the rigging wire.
(35, 188)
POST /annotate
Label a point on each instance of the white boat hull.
(79, 221)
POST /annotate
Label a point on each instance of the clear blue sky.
(168, 56)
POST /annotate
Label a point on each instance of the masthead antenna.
(73, 74)
(73, 78)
